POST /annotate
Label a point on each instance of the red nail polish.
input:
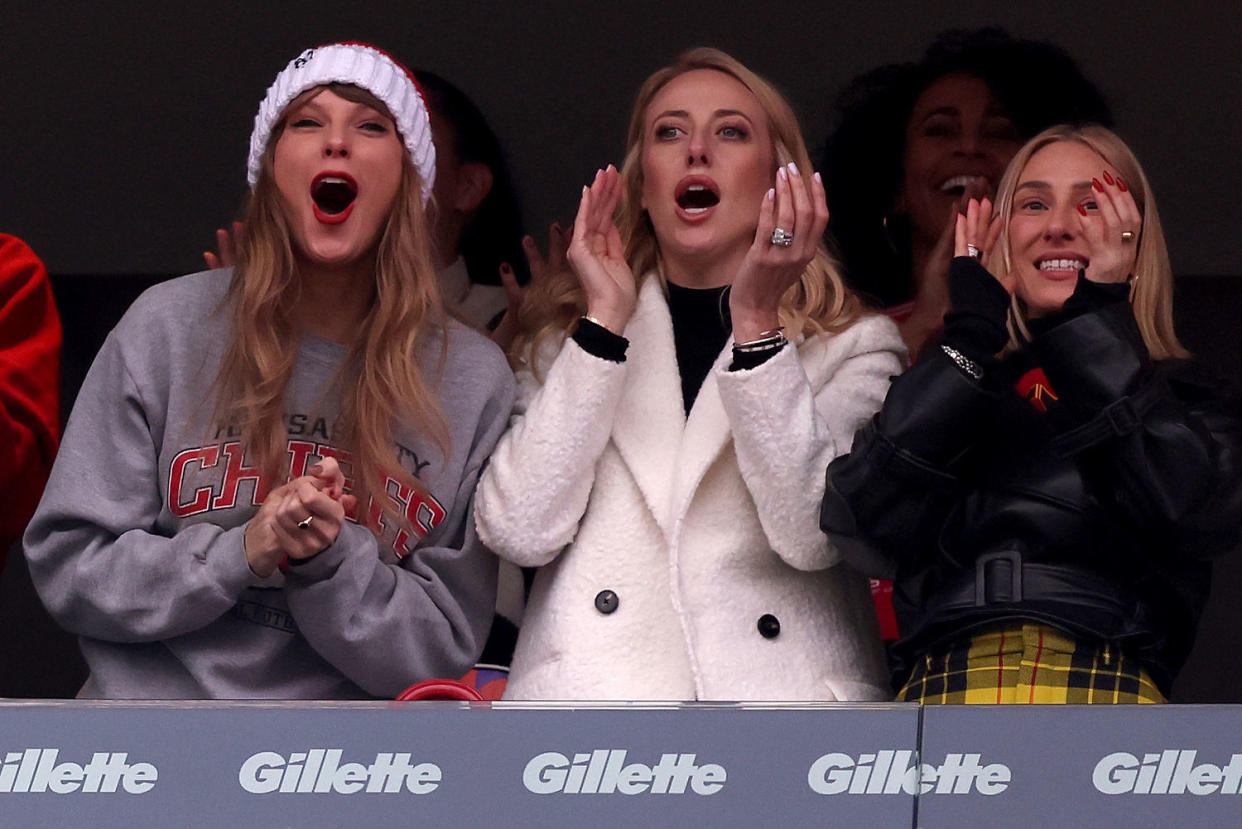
(1121, 184)
(1095, 182)
(1107, 178)
(1082, 210)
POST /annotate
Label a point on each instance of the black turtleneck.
(701, 326)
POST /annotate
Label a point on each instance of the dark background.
(124, 129)
(125, 126)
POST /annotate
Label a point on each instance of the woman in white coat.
(680, 396)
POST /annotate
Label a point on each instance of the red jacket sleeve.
(29, 385)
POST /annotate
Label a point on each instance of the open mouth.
(696, 195)
(334, 194)
(957, 185)
(1061, 265)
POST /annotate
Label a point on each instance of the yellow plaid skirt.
(1028, 663)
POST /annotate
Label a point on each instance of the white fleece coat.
(699, 525)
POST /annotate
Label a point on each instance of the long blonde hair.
(381, 381)
(818, 302)
(1152, 293)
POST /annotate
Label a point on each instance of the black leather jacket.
(1097, 515)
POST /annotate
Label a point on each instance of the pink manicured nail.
(793, 169)
(771, 193)
(782, 174)
(818, 179)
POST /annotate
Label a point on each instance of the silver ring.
(305, 523)
(973, 252)
(782, 238)
(1127, 235)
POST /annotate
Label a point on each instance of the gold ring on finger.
(1127, 235)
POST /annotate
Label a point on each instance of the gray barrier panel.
(1130, 766)
(454, 764)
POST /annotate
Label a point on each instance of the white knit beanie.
(363, 66)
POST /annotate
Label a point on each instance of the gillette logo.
(1172, 771)
(604, 771)
(891, 772)
(36, 770)
(320, 770)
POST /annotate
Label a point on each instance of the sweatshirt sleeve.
(30, 339)
(388, 625)
(534, 492)
(786, 433)
(100, 560)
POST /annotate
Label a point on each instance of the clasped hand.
(299, 519)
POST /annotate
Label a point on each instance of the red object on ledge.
(439, 689)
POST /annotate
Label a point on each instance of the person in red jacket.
(29, 385)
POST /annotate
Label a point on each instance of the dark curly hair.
(1037, 84)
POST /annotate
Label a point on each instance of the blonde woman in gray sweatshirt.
(264, 490)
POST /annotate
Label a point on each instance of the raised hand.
(541, 269)
(1112, 230)
(931, 287)
(228, 246)
(771, 268)
(598, 257)
(975, 233)
(299, 519)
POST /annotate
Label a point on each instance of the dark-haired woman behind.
(913, 141)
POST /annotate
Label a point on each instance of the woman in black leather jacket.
(1047, 487)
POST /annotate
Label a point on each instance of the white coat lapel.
(650, 418)
(707, 433)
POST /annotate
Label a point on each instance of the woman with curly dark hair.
(914, 140)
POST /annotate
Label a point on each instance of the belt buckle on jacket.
(998, 578)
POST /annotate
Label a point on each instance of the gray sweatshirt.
(137, 545)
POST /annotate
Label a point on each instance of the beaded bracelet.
(963, 362)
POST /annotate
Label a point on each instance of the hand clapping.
(299, 519)
(598, 256)
(791, 224)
